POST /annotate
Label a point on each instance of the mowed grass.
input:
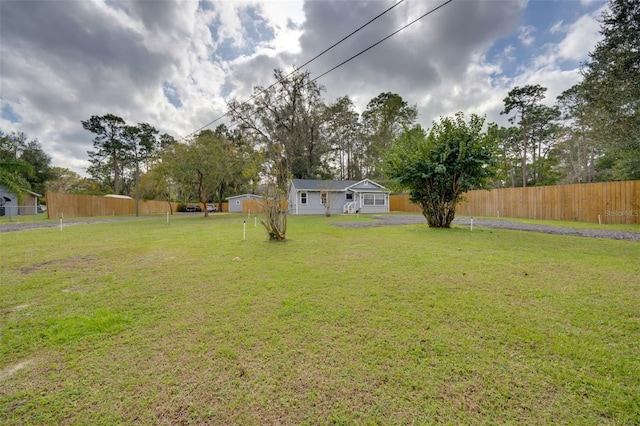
(147, 323)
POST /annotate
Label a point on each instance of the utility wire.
(363, 51)
(299, 68)
(387, 37)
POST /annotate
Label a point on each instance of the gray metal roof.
(319, 185)
(335, 185)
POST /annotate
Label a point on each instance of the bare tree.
(283, 121)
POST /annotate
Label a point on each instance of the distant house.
(29, 204)
(235, 202)
(8, 202)
(10, 205)
(337, 197)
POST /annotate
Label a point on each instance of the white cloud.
(508, 53)
(287, 26)
(581, 38)
(525, 35)
(557, 27)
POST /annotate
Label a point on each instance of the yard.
(144, 322)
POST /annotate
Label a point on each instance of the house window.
(323, 198)
(303, 198)
(237, 202)
(373, 199)
(349, 196)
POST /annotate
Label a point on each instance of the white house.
(335, 197)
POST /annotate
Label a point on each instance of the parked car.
(211, 208)
(193, 208)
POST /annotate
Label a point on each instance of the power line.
(382, 40)
(298, 68)
(362, 51)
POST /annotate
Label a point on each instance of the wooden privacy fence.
(604, 202)
(401, 203)
(74, 205)
(257, 206)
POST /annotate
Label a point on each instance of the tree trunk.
(203, 193)
(276, 219)
(524, 166)
(524, 150)
(439, 214)
(137, 189)
(116, 176)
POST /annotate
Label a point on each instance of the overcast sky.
(174, 64)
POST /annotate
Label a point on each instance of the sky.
(175, 63)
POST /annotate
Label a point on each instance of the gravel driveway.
(497, 224)
(19, 226)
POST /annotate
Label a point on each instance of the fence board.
(257, 206)
(607, 202)
(76, 205)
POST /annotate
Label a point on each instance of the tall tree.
(12, 174)
(140, 143)
(344, 132)
(611, 86)
(202, 164)
(284, 120)
(384, 119)
(524, 100)
(244, 171)
(108, 144)
(26, 161)
(68, 181)
(577, 148)
(40, 162)
(287, 115)
(12, 145)
(508, 155)
(453, 158)
(543, 134)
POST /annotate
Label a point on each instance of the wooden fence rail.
(604, 202)
(74, 205)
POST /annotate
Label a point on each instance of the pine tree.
(612, 87)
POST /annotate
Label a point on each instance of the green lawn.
(142, 322)
(25, 218)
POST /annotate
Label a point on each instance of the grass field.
(142, 322)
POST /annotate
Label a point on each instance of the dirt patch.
(13, 369)
(24, 306)
(71, 263)
(23, 226)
